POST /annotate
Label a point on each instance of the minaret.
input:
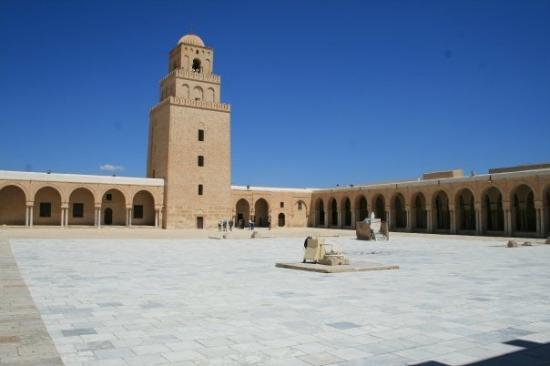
(189, 139)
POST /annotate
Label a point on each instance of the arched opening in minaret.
(196, 65)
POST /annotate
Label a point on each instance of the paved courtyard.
(210, 302)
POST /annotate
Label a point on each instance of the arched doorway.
(319, 212)
(399, 213)
(465, 211)
(81, 207)
(47, 207)
(242, 211)
(261, 213)
(380, 207)
(143, 209)
(281, 220)
(114, 204)
(346, 212)
(492, 213)
(12, 206)
(300, 216)
(362, 208)
(442, 217)
(419, 213)
(333, 212)
(524, 219)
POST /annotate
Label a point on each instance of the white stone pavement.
(222, 302)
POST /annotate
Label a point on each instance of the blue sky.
(322, 92)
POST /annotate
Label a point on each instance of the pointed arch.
(379, 206)
(261, 213)
(319, 212)
(242, 211)
(346, 212)
(398, 212)
(419, 214)
(492, 212)
(524, 218)
(441, 216)
(333, 212)
(465, 213)
(361, 208)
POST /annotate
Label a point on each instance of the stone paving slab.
(352, 267)
(24, 339)
(214, 302)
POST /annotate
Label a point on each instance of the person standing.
(230, 224)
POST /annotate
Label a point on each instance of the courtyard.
(128, 301)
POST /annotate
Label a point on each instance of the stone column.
(452, 218)
(326, 219)
(408, 226)
(543, 219)
(477, 208)
(128, 216)
(31, 214)
(27, 220)
(353, 219)
(507, 218)
(62, 224)
(98, 217)
(429, 224)
(156, 217)
(538, 206)
(388, 218)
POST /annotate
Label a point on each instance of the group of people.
(225, 224)
(250, 224)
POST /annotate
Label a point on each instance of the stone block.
(512, 244)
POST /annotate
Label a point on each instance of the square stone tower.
(189, 139)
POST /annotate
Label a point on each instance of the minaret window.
(196, 65)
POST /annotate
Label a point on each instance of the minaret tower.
(189, 139)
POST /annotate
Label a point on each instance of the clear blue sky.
(322, 92)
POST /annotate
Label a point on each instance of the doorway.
(108, 216)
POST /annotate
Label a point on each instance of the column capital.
(29, 203)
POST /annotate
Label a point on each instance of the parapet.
(519, 168)
(455, 173)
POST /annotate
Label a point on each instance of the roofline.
(426, 182)
(79, 178)
(273, 189)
